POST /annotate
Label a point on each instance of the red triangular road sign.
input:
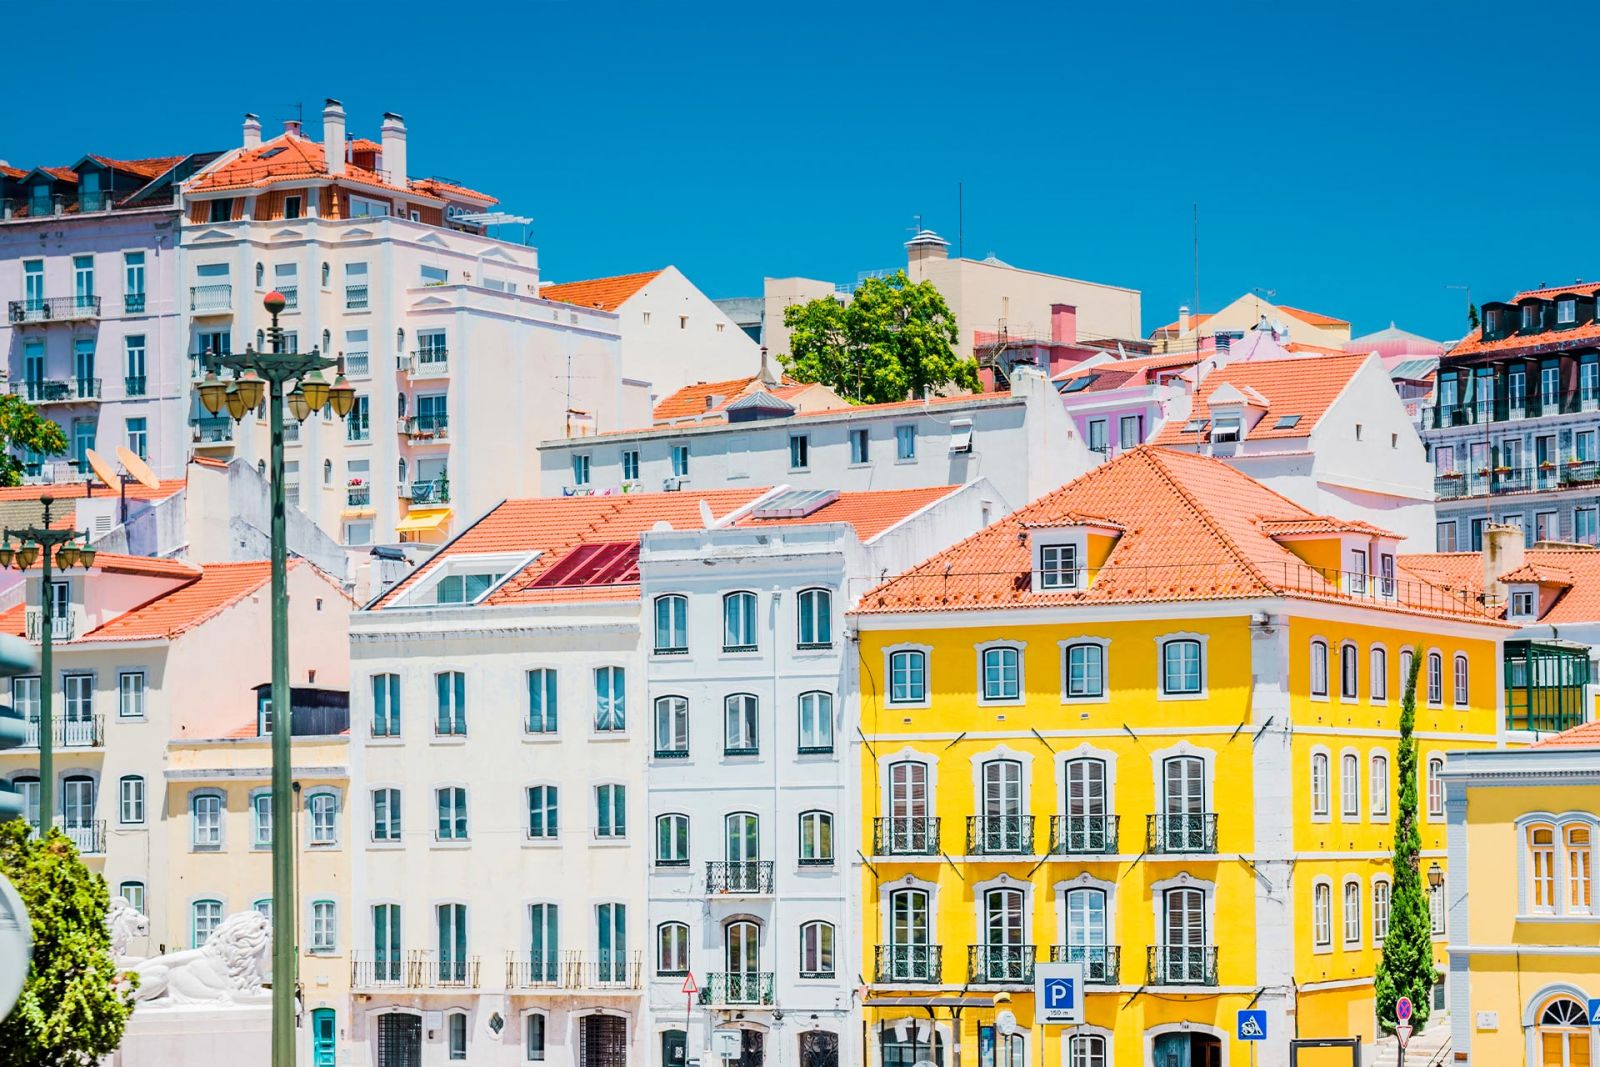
(688, 983)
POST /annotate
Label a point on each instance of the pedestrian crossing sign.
(1252, 1024)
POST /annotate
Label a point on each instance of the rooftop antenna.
(961, 220)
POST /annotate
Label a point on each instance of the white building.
(751, 815)
(499, 745)
(672, 333)
(1023, 442)
(1328, 432)
(459, 364)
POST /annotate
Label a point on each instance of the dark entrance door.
(674, 1048)
(399, 1040)
(1188, 1050)
(603, 1041)
(752, 1049)
(819, 1048)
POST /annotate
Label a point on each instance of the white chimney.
(291, 126)
(1183, 318)
(394, 147)
(1503, 552)
(252, 132)
(333, 135)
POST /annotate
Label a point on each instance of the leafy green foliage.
(22, 427)
(71, 1012)
(1472, 316)
(1406, 968)
(894, 340)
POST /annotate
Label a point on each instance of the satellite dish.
(138, 468)
(102, 469)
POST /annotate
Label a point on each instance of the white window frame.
(216, 838)
(1351, 649)
(1433, 787)
(1322, 915)
(1351, 882)
(1317, 668)
(997, 646)
(1203, 640)
(1388, 904)
(1321, 799)
(1375, 812)
(1377, 675)
(889, 654)
(1050, 575)
(131, 809)
(1066, 646)
(1461, 681)
(1349, 785)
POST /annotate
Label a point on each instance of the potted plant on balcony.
(1449, 474)
(357, 483)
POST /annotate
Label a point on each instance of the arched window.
(742, 955)
(815, 618)
(1002, 673)
(1087, 1050)
(816, 723)
(261, 275)
(323, 808)
(816, 950)
(816, 839)
(1319, 784)
(1349, 672)
(261, 340)
(910, 832)
(1350, 786)
(131, 796)
(1378, 788)
(1378, 674)
(1579, 872)
(672, 625)
(739, 622)
(400, 403)
(133, 893)
(535, 1030)
(327, 275)
(261, 467)
(1319, 668)
(908, 958)
(908, 676)
(1003, 956)
(1541, 868)
(327, 342)
(1435, 678)
(205, 916)
(1084, 827)
(456, 1035)
(1564, 1033)
(1435, 787)
(1352, 912)
(1003, 826)
(740, 711)
(742, 837)
(1086, 932)
(672, 840)
(327, 479)
(1182, 672)
(672, 949)
(1407, 659)
(1380, 911)
(1461, 677)
(1322, 915)
(400, 474)
(1086, 671)
(672, 727)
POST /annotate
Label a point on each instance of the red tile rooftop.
(871, 513)
(1585, 736)
(607, 294)
(1305, 387)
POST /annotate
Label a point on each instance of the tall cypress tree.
(1406, 968)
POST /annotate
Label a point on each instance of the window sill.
(1103, 698)
(133, 718)
(907, 705)
(1318, 698)
(541, 842)
(819, 754)
(1183, 696)
(610, 736)
(1322, 950)
(665, 653)
(448, 739)
(610, 842)
(385, 843)
(1321, 820)
(452, 843)
(672, 866)
(905, 461)
(1000, 702)
(543, 737)
(386, 741)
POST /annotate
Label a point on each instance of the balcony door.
(386, 942)
(544, 948)
(83, 364)
(1184, 803)
(33, 284)
(908, 806)
(1002, 806)
(77, 805)
(1086, 931)
(742, 956)
(743, 850)
(1086, 806)
(908, 936)
(1184, 926)
(1003, 935)
(452, 942)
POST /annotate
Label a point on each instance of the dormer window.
(464, 588)
(461, 580)
(1491, 321)
(1524, 604)
(1531, 316)
(1058, 566)
(1566, 311)
(1226, 430)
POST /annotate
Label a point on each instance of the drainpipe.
(777, 793)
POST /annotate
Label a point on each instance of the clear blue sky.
(1354, 157)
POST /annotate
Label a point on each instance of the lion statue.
(125, 922)
(230, 967)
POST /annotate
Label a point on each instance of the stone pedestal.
(194, 1035)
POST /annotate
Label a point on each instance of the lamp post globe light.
(296, 376)
(55, 548)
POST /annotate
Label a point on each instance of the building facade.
(1514, 422)
(1147, 724)
(749, 788)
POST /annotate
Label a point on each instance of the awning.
(422, 520)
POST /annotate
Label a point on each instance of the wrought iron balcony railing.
(432, 427)
(1181, 965)
(905, 836)
(381, 969)
(133, 385)
(737, 987)
(358, 496)
(429, 363)
(1581, 472)
(213, 431)
(908, 964)
(1083, 835)
(78, 732)
(57, 390)
(88, 836)
(675, 752)
(357, 365)
(1102, 964)
(1000, 835)
(133, 303)
(1181, 832)
(211, 298)
(1001, 964)
(739, 878)
(574, 970)
(53, 309)
(458, 973)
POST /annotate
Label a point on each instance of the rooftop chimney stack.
(925, 245)
(1503, 552)
(394, 148)
(333, 135)
(1064, 324)
(291, 127)
(252, 132)
(1183, 318)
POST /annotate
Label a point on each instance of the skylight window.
(1286, 422)
(1077, 385)
(269, 153)
(795, 504)
(1194, 425)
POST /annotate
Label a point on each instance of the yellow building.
(218, 820)
(1147, 724)
(1525, 933)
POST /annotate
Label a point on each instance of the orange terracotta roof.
(607, 294)
(554, 526)
(12, 172)
(286, 158)
(14, 620)
(66, 174)
(1321, 524)
(153, 167)
(1473, 343)
(210, 590)
(871, 512)
(1305, 387)
(1578, 568)
(1193, 533)
(147, 566)
(1173, 328)
(81, 490)
(1579, 288)
(1585, 736)
(1311, 317)
(450, 190)
(1321, 350)
(692, 400)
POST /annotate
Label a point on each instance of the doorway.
(399, 1040)
(1188, 1050)
(603, 1041)
(674, 1048)
(819, 1048)
(324, 1038)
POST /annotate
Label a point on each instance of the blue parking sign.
(1253, 1024)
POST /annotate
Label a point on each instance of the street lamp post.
(256, 374)
(59, 547)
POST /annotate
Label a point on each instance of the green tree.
(22, 427)
(1472, 316)
(894, 340)
(71, 1012)
(1406, 967)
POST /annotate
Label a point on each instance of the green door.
(324, 1038)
